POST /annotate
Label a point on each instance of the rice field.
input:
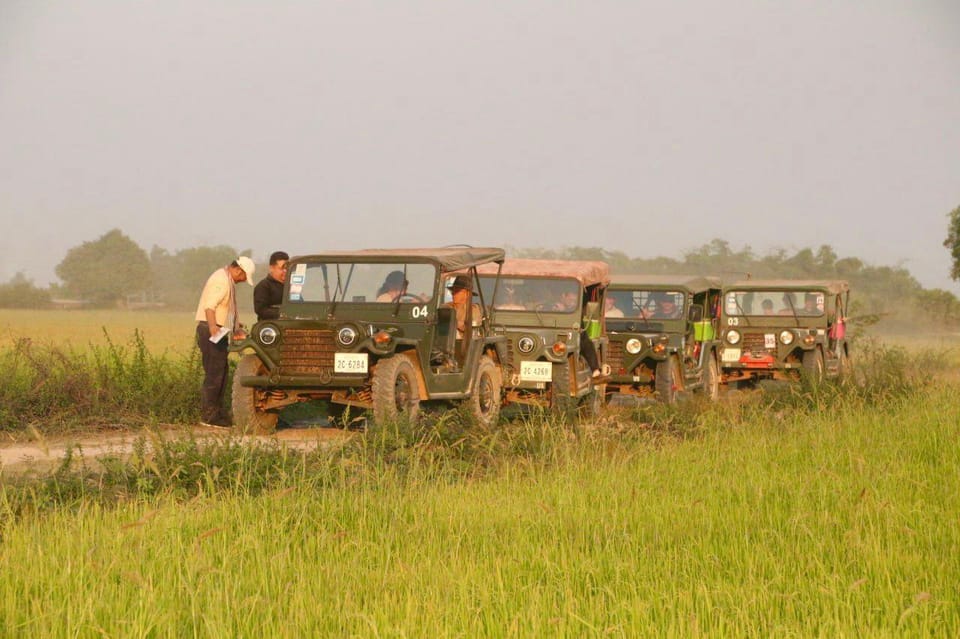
(794, 518)
(162, 330)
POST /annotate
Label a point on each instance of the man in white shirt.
(218, 310)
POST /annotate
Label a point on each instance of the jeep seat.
(445, 341)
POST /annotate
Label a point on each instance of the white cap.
(248, 267)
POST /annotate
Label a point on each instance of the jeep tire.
(483, 405)
(591, 405)
(668, 379)
(396, 393)
(560, 400)
(813, 365)
(248, 418)
(711, 378)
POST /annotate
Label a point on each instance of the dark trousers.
(589, 351)
(214, 358)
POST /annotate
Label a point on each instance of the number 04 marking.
(419, 311)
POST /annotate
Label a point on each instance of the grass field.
(161, 330)
(792, 516)
(829, 525)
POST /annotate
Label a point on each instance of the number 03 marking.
(733, 321)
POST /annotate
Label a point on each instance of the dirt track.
(17, 458)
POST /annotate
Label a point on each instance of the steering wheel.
(409, 297)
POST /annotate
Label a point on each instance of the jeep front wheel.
(591, 406)
(711, 378)
(668, 378)
(248, 416)
(813, 365)
(395, 390)
(561, 401)
(483, 404)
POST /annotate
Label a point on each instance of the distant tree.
(826, 256)
(953, 242)
(940, 304)
(20, 292)
(179, 277)
(876, 290)
(105, 270)
(803, 264)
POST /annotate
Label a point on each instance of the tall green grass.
(823, 509)
(813, 513)
(47, 385)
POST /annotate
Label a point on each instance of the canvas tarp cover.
(587, 273)
(834, 287)
(449, 259)
(689, 283)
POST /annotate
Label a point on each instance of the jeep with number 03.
(374, 330)
(548, 310)
(663, 336)
(776, 329)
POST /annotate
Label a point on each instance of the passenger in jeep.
(810, 305)
(462, 291)
(568, 302)
(666, 307)
(393, 287)
(610, 306)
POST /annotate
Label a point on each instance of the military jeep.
(372, 330)
(663, 336)
(545, 309)
(774, 329)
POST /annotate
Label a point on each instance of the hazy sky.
(645, 127)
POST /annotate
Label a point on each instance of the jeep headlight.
(786, 337)
(347, 335)
(733, 337)
(634, 345)
(525, 344)
(268, 335)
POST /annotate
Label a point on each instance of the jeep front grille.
(614, 356)
(307, 352)
(509, 366)
(753, 343)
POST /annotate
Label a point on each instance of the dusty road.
(17, 458)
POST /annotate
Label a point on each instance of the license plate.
(536, 371)
(769, 340)
(731, 354)
(350, 363)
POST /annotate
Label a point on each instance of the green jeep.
(547, 310)
(663, 336)
(372, 329)
(774, 329)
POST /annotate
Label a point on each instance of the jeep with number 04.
(373, 330)
(663, 336)
(548, 311)
(776, 329)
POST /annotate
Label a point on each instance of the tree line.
(113, 271)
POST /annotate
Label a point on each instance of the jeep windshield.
(362, 282)
(533, 294)
(773, 303)
(644, 304)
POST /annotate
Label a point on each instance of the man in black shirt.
(268, 294)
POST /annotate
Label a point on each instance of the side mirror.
(695, 313)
